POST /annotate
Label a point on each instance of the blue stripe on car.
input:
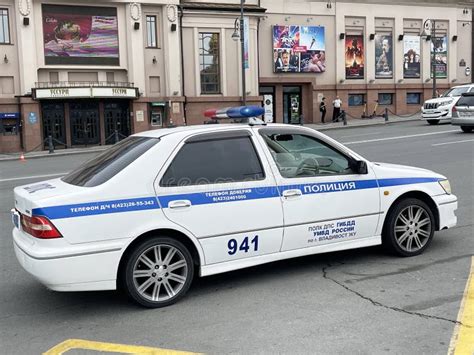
(211, 197)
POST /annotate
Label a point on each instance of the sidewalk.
(363, 122)
(351, 123)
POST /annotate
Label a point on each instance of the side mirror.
(360, 167)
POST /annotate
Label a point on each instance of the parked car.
(440, 108)
(161, 206)
(463, 112)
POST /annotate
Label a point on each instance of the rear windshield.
(110, 163)
(466, 101)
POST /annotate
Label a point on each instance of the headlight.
(446, 186)
(445, 103)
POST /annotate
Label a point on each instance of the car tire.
(466, 129)
(409, 228)
(157, 272)
(433, 122)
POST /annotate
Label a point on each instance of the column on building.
(211, 57)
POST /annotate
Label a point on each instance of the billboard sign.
(439, 47)
(299, 49)
(355, 60)
(411, 57)
(383, 57)
(80, 35)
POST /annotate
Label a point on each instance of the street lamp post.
(239, 33)
(432, 24)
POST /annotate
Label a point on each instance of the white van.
(441, 108)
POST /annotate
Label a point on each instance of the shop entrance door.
(292, 104)
(84, 116)
(54, 123)
(117, 118)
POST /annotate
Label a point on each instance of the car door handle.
(179, 204)
(292, 193)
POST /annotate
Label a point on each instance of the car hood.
(388, 171)
(440, 100)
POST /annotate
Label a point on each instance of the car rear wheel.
(158, 272)
(433, 122)
(409, 228)
(467, 129)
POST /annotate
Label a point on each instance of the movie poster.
(440, 48)
(355, 60)
(80, 35)
(383, 57)
(411, 57)
(299, 49)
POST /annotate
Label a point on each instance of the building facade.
(89, 73)
(98, 71)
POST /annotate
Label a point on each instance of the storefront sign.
(114, 92)
(383, 57)
(32, 118)
(355, 60)
(61, 93)
(299, 49)
(439, 48)
(8, 115)
(176, 107)
(140, 116)
(411, 57)
(268, 105)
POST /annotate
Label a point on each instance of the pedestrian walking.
(336, 109)
(322, 109)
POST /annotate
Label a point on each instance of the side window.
(214, 161)
(466, 101)
(298, 155)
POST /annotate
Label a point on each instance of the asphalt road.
(361, 301)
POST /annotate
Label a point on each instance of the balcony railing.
(72, 84)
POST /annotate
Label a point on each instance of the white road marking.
(455, 142)
(400, 137)
(360, 135)
(32, 177)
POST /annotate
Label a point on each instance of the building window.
(356, 99)
(209, 63)
(151, 32)
(4, 27)
(385, 99)
(413, 98)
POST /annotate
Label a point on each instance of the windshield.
(110, 163)
(455, 92)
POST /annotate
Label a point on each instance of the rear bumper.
(81, 271)
(463, 121)
(447, 205)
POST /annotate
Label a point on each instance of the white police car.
(163, 205)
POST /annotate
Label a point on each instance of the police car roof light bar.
(235, 112)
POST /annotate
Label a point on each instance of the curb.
(56, 154)
(325, 128)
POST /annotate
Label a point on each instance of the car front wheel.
(433, 122)
(409, 228)
(467, 129)
(158, 272)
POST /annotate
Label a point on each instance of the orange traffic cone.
(22, 158)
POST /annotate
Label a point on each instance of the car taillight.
(454, 109)
(39, 227)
